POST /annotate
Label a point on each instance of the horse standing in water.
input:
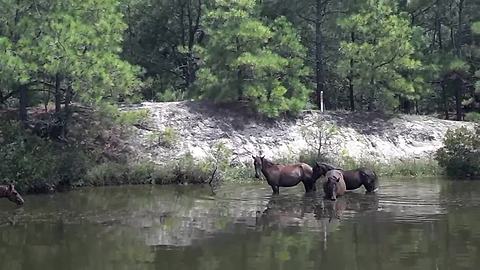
(353, 178)
(284, 175)
(335, 185)
(11, 194)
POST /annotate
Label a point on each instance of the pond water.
(408, 224)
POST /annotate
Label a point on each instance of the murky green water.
(409, 224)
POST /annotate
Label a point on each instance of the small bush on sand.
(460, 155)
(37, 164)
(472, 117)
(108, 173)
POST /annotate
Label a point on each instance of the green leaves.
(246, 58)
(460, 155)
(476, 28)
(77, 40)
(382, 54)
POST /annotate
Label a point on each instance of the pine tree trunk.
(67, 110)
(459, 30)
(445, 100)
(320, 76)
(23, 102)
(371, 99)
(458, 100)
(459, 89)
(58, 94)
(350, 78)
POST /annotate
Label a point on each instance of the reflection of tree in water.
(188, 228)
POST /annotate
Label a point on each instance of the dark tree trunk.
(320, 73)
(23, 102)
(239, 75)
(350, 78)
(68, 97)
(58, 94)
(405, 105)
(459, 87)
(440, 41)
(67, 110)
(371, 99)
(458, 100)
(444, 98)
(460, 26)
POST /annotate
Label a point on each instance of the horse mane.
(330, 167)
(268, 162)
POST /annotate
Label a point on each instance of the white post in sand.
(321, 101)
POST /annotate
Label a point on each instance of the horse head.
(12, 194)
(369, 179)
(258, 163)
(333, 186)
(320, 169)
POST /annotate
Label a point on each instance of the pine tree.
(381, 57)
(248, 59)
(68, 47)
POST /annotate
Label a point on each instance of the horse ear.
(262, 157)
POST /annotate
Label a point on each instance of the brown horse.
(335, 185)
(353, 178)
(10, 193)
(284, 175)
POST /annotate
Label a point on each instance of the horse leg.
(275, 189)
(308, 186)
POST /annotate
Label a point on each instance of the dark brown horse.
(284, 175)
(10, 193)
(335, 185)
(353, 178)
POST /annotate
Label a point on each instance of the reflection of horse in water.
(285, 212)
(9, 218)
(310, 211)
(331, 209)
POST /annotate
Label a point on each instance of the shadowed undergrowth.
(95, 154)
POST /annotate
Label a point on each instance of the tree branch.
(306, 18)
(387, 62)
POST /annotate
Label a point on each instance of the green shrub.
(169, 94)
(129, 118)
(168, 138)
(189, 170)
(36, 164)
(185, 170)
(460, 155)
(141, 173)
(319, 135)
(223, 155)
(413, 168)
(108, 173)
(472, 117)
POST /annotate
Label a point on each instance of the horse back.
(307, 170)
(292, 174)
(353, 179)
